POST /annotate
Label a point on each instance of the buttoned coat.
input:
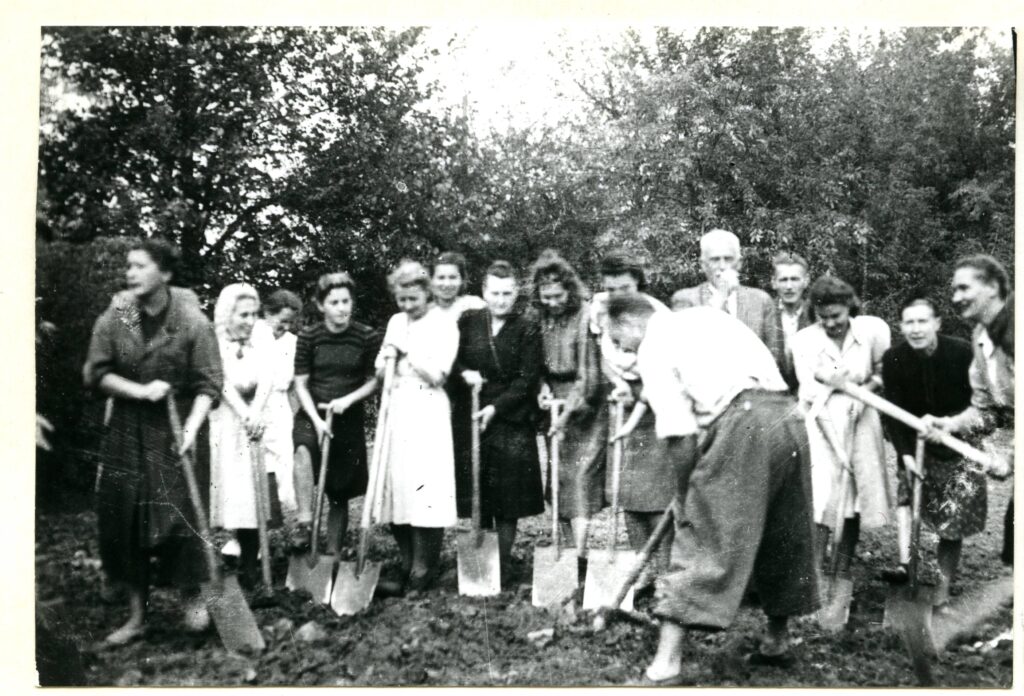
(143, 492)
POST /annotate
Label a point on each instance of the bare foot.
(657, 672)
(126, 634)
(197, 617)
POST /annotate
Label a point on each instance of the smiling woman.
(237, 425)
(841, 347)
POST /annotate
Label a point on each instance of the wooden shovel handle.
(555, 405)
(321, 486)
(262, 496)
(375, 479)
(193, 490)
(844, 482)
(619, 414)
(911, 421)
(645, 553)
(915, 511)
(475, 463)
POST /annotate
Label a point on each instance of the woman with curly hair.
(572, 374)
(843, 346)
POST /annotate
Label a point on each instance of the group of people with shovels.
(684, 420)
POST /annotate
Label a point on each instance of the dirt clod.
(310, 632)
(541, 638)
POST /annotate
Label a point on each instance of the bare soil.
(440, 638)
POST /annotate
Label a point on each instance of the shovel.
(909, 610)
(607, 569)
(838, 591)
(261, 488)
(477, 551)
(643, 558)
(355, 583)
(911, 421)
(235, 622)
(554, 575)
(313, 572)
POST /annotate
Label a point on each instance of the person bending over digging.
(744, 493)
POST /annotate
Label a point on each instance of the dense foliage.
(275, 154)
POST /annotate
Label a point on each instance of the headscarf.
(225, 307)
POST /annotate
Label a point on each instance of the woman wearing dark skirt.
(333, 365)
(501, 349)
(153, 341)
(572, 374)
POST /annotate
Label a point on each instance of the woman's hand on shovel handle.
(339, 406)
(484, 415)
(1000, 466)
(936, 428)
(472, 378)
(321, 429)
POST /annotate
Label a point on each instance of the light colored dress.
(232, 495)
(277, 438)
(419, 473)
(870, 492)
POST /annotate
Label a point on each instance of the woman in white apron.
(843, 347)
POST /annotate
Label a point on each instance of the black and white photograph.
(524, 354)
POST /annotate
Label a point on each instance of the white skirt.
(419, 475)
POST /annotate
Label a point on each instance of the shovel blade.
(607, 570)
(554, 577)
(835, 612)
(479, 566)
(231, 615)
(315, 579)
(912, 620)
(896, 608)
(353, 593)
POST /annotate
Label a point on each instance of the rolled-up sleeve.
(100, 360)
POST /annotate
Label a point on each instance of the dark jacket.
(935, 384)
(511, 363)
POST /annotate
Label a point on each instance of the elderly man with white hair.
(721, 260)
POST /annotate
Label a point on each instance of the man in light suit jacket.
(721, 260)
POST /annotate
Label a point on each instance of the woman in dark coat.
(500, 348)
(928, 374)
(153, 341)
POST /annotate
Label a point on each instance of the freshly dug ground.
(440, 638)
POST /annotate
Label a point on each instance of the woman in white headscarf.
(237, 425)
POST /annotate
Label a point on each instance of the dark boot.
(426, 548)
(248, 562)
